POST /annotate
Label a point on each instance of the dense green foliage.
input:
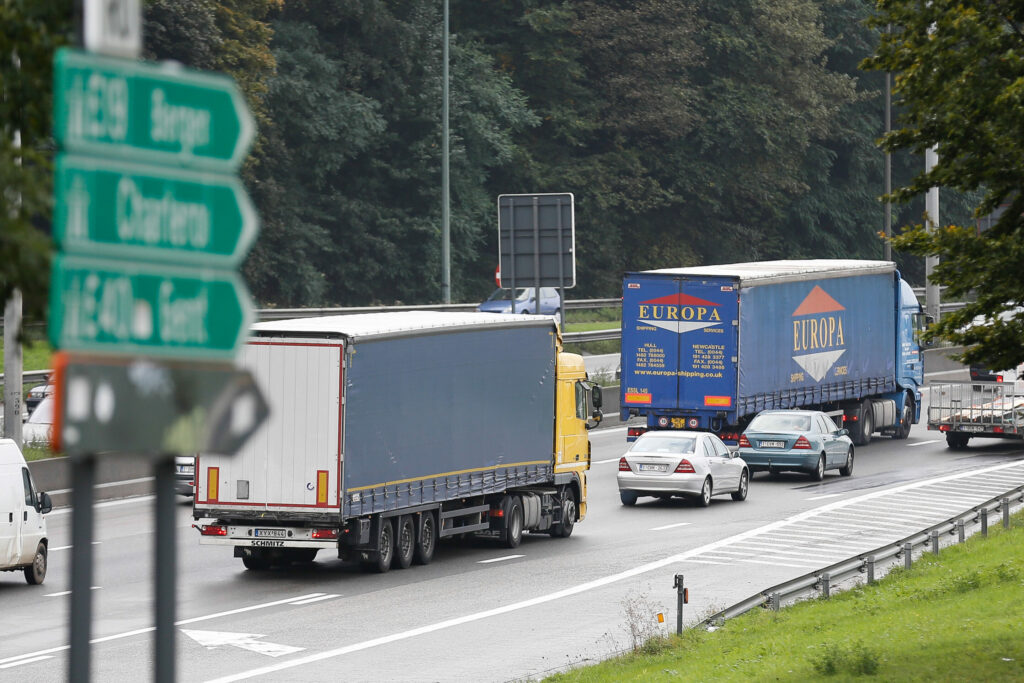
(959, 77)
(689, 131)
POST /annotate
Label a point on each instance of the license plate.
(269, 533)
(186, 469)
(653, 468)
(771, 444)
(970, 428)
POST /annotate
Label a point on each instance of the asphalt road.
(480, 612)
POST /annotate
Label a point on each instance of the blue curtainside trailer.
(709, 347)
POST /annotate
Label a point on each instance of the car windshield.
(663, 443)
(506, 294)
(781, 422)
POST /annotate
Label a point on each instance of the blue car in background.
(803, 440)
(500, 301)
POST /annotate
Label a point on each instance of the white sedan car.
(681, 463)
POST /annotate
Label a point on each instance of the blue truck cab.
(709, 347)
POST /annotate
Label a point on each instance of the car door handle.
(24, 516)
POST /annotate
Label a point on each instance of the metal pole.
(13, 367)
(931, 157)
(512, 253)
(960, 531)
(871, 569)
(561, 266)
(536, 254)
(887, 249)
(935, 542)
(165, 557)
(826, 585)
(776, 601)
(680, 589)
(984, 521)
(1006, 513)
(446, 256)
(83, 475)
(908, 551)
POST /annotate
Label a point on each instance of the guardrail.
(286, 313)
(821, 581)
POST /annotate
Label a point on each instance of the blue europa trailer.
(709, 347)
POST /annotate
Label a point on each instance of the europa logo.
(679, 313)
(818, 334)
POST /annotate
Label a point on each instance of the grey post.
(960, 531)
(680, 587)
(870, 563)
(935, 541)
(776, 601)
(536, 255)
(908, 551)
(826, 585)
(83, 476)
(1006, 513)
(165, 558)
(984, 521)
(12, 368)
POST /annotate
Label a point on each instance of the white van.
(23, 539)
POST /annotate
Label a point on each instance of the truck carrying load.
(962, 410)
(389, 431)
(709, 347)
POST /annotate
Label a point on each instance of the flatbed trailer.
(964, 410)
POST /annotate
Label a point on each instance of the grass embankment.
(955, 617)
(589, 319)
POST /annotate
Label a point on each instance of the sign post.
(151, 223)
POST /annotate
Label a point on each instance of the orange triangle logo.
(818, 301)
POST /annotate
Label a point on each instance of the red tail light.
(997, 430)
(213, 530)
(802, 443)
(634, 432)
(744, 441)
(623, 465)
(684, 467)
(324, 534)
(943, 428)
(999, 378)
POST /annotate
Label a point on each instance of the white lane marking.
(110, 484)
(68, 547)
(828, 495)
(316, 599)
(311, 595)
(245, 641)
(107, 504)
(705, 562)
(923, 443)
(591, 585)
(605, 462)
(669, 526)
(25, 661)
(57, 595)
(499, 559)
(140, 631)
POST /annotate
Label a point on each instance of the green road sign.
(132, 405)
(117, 209)
(129, 307)
(155, 113)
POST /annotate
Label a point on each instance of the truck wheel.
(385, 547)
(302, 555)
(36, 572)
(256, 563)
(627, 497)
(847, 469)
(907, 419)
(405, 542)
(957, 441)
(819, 471)
(705, 493)
(564, 528)
(426, 539)
(513, 535)
(867, 424)
(741, 492)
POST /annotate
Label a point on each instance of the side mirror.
(843, 432)
(44, 504)
(596, 398)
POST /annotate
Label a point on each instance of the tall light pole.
(931, 209)
(446, 255)
(887, 249)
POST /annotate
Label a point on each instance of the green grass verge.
(955, 617)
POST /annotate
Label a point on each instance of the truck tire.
(426, 539)
(385, 547)
(405, 542)
(569, 510)
(818, 473)
(906, 420)
(513, 534)
(36, 572)
(957, 441)
(866, 424)
(255, 562)
(302, 555)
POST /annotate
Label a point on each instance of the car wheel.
(564, 528)
(819, 472)
(36, 572)
(627, 497)
(513, 523)
(426, 539)
(908, 418)
(405, 542)
(741, 492)
(847, 469)
(705, 493)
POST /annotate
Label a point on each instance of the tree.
(959, 82)
(32, 31)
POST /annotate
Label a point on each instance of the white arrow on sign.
(246, 641)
